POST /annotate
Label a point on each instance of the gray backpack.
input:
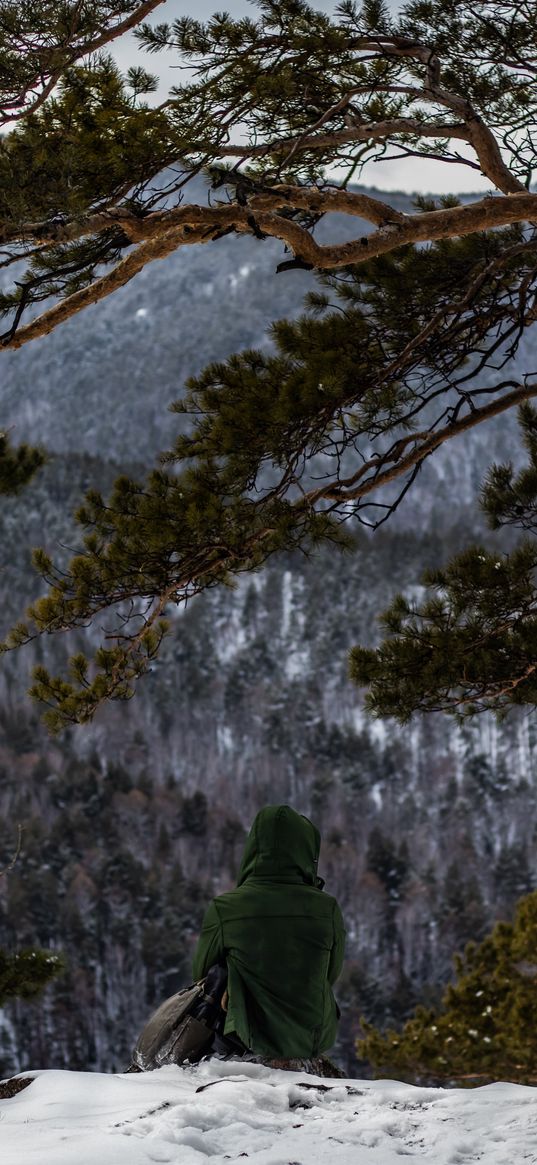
(173, 1034)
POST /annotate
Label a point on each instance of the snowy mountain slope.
(132, 823)
(225, 1111)
(137, 348)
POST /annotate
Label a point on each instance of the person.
(278, 941)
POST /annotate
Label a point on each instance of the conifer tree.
(25, 973)
(485, 1028)
(471, 644)
(17, 464)
(402, 348)
(40, 42)
(41, 39)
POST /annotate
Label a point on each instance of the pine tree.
(389, 863)
(40, 41)
(472, 645)
(92, 188)
(40, 46)
(17, 465)
(485, 1028)
(24, 974)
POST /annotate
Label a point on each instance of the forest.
(268, 472)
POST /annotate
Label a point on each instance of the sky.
(409, 174)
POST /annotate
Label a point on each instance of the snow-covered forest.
(131, 824)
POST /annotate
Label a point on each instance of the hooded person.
(282, 940)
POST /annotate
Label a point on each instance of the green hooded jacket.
(283, 940)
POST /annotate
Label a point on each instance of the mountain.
(137, 347)
(133, 822)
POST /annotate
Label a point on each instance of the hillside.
(131, 824)
(138, 346)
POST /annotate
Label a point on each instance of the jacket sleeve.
(210, 948)
(338, 948)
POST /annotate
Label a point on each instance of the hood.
(281, 845)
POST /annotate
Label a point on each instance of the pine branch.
(53, 59)
(166, 231)
(480, 1031)
(429, 304)
(305, 91)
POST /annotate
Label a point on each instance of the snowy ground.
(229, 1112)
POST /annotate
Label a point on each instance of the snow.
(375, 794)
(232, 1111)
(224, 737)
(297, 663)
(243, 273)
(293, 624)
(287, 601)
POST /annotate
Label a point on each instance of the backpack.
(184, 1026)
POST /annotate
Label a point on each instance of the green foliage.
(387, 364)
(26, 973)
(510, 498)
(39, 41)
(81, 150)
(129, 948)
(478, 65)
(194, 815)
(233, 494)
(472, 645)
(92, 143)
(485, 1028)
(17, 465)
(294, 63)
(388, 862)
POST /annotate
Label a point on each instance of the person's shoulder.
(227, 899)
(328, 899)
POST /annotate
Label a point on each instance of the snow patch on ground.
(230, 1111)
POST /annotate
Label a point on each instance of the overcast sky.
(411, 174)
